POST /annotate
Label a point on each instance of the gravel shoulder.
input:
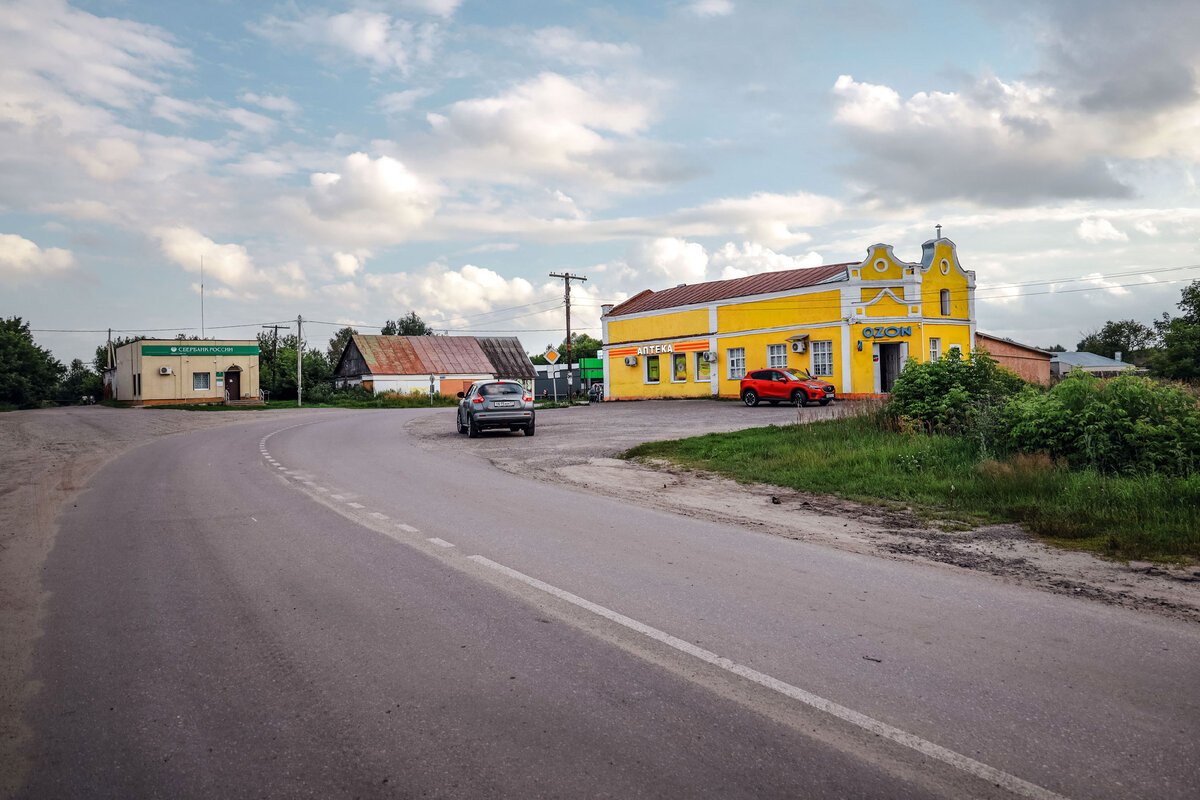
(579, 447)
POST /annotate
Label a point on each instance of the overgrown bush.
(1124, 425)
(951, 395)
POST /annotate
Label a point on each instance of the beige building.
(166, 371)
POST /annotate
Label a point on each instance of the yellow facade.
(855, 327)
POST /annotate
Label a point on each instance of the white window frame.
(735, 363)
(672, 363)
(935, 348)
(196, 381)
(777, 356)
(700, 359)
(817, 352)
(646, 370)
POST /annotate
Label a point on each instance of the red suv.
(790, 385)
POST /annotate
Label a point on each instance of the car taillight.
(527, 399)
(477, 400)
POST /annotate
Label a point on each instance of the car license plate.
(504, 404)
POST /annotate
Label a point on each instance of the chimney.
(938, 228)
(605, 308)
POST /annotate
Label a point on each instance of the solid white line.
(923, 746)
(440, 542)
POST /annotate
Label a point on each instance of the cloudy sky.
(353, 161)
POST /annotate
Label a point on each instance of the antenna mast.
(201, 297)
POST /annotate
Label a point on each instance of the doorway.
(888, 362)
(233, 384)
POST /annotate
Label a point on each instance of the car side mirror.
(460, 394)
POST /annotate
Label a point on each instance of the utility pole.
(275, 357)
(567, 278)
(299, 361)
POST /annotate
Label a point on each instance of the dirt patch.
(578, 447)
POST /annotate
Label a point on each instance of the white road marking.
(377, 515)
(440, 542)
(338, 496)
(322, 489)
(355, 505)
(408, 528)
(957, 760)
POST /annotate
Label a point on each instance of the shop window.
(822, 358)
(678, 367)
(651, 369)
(737, 363)
(945, 302)
(200, 381)
(703, 371)
(777, 356)
(935, 349)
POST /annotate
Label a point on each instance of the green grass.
(942, 478)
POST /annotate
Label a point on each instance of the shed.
(1031, 363)
(445, 364)
(1098, 365)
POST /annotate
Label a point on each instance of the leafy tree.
(29, 374)
(100, 362)
(1179, 356)
(81, 381)
(1124, 336)
(1058, 348)
(582, 346)
(338, 344)
(410, 324)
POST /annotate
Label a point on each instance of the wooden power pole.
(567, 278)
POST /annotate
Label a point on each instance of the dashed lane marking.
(440, 542)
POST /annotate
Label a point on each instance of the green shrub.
(950, 394)
(1124, 425)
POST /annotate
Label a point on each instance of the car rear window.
(491, 389)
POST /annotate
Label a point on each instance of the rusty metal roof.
(428, 355)
(508, 357)
(763, 283)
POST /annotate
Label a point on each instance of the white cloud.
(1100, 230)
(752, 258)
(228, 263)
(21, 258)
(566, 46)
(272, 102)
(250, 120)
(762, 217)
(440, 8)
(374, 38)
(348, 264)
(369, 199)
(399, 102)
(711, 8)
(108, 159)
(1147, 227)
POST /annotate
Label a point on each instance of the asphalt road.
(323, 608)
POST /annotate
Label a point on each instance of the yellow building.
(166, 371)
(854, 324)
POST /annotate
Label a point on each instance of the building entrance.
(233, 385)
(888, 366)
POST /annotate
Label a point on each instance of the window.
(492, 389)
(777, 355)
(935, 349)
(200, 381)
(822, 359)
(679, 367)
(945, 302)
(703, 371)
(737, 362)
(651, 369)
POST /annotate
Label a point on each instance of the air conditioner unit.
(164, 370)
(631, 361)
(710, 356)
(800, 346)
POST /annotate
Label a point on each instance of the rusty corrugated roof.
(763, 283)
(508, 357)
(423, 355)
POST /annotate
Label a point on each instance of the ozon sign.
(891, 331)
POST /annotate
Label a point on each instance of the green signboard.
(591, 368)
(199, 349)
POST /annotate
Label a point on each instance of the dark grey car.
(495, 404)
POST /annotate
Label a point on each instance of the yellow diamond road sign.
(552, 355)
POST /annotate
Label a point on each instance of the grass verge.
(942, 478)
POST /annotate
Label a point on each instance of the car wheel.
(458, 424)
(472, 428)
(529, 429)
(799, 398)
(824, 401)
(750, 397)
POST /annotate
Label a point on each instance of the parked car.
(495, 404)
(784, 385)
